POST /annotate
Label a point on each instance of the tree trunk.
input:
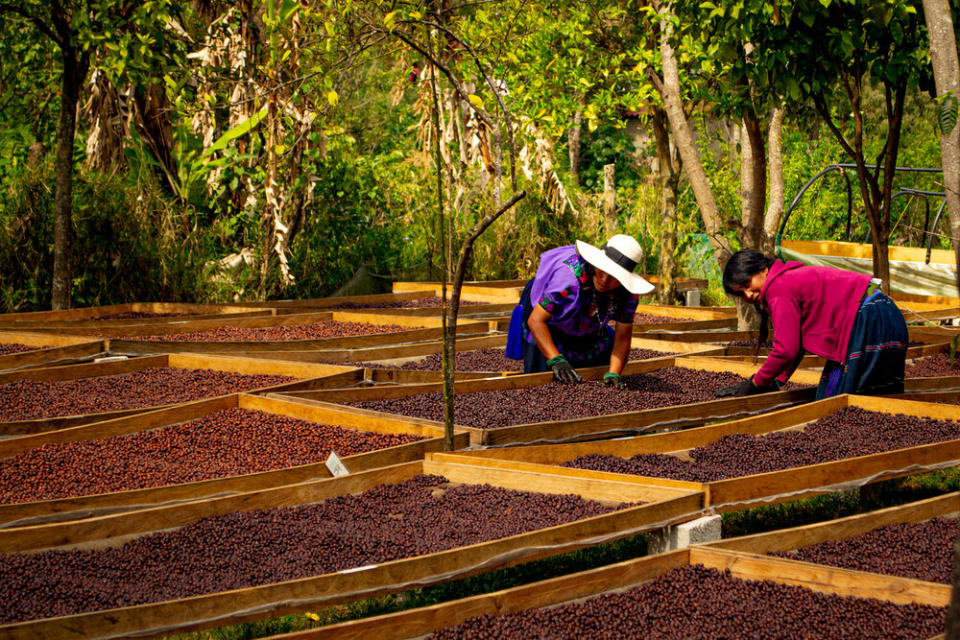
(669, 89)
(668, 181)
(573, 141)
(771, 220)
(609, 199)
(753, 183)
(75, 67)
(946, 74)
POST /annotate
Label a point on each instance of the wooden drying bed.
(765, 488)
(841, 528)
(380, 353)
(263, 319)
(510, 290)
(689, 313)
(93, 315)
(385, 353)
(416, 623)
(312, 304)
(293, 306)
(643, 330)
(313, 376)
(661, 506)
(48, 349)
(494, 292)
(421, 328)
(466, 313)
(810, 361)
(388, 356)
(593, 427)
(93, 505)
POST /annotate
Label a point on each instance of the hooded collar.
(777, 269)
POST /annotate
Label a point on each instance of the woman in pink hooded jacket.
(838, 315)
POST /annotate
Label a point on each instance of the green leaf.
(947, 114)
(288, 8)
(896, 32)
(240, 130)
(390, 21)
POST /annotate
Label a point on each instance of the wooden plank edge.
(841, 528)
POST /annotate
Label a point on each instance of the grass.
(788, 514)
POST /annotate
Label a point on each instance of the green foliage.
(608, 144)
(352, 222)
(125, 247)
(838, 505)
(370, 200)
(822, 212)
(28, 95)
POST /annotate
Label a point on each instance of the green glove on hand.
(745, 388)
(563, 371)
(611, 379)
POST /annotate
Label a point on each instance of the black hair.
(607, 302)
(741, 267)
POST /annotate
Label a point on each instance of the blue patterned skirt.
(876, 352)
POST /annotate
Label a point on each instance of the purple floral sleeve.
(555, 302)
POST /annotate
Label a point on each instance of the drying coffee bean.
(648, 318)
(697, 602)
(933, 366)
(489, 409)
(226, 443)
(422, 515)
(31, 399)
(429, 301)
(311, 331)
(15, 348)
(918, 550)
(489, 360)
(848, 433)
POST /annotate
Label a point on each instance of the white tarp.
(914, 278)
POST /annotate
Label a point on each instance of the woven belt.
(873, 287)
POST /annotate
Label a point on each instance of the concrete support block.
(681, 536)
(692, 297)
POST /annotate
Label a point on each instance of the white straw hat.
(618, 257)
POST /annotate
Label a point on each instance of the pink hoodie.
(812, 309)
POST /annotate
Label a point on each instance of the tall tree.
(827, 52)
(946, 73)
(119, 36)
(459, 58)
(670, 89)
(945, 61)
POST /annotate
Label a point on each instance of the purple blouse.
(563, 288)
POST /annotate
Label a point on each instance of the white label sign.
(336, 466)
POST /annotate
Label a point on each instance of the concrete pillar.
(681, 536)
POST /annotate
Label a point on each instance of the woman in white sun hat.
(564, 316)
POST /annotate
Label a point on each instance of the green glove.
(611, 379)
(563, 371)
